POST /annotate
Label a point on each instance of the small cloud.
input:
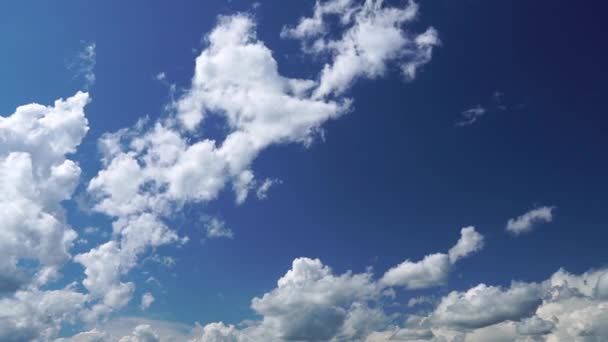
(91, 230)
(160, 76)
(262, 190)
(526, 222)
(146, 300)
(84, 64)
(471, 115)
(216, 228)
(421, 300)
(166, 261)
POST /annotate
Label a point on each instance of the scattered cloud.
(84, 64)
(565, 307)
(528, 221)
(433, 269)
(373, 36)
(471, 115)
(216, 228)
(146, 300)
(262, 191)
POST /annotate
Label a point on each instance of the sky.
(338, 170)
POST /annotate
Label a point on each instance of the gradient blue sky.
(394, 179)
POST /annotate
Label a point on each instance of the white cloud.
(535, 326)
(84, 64)
(38, 315)
(216, 228)
(146, 301)
(470, 241)
(310, 303)
(433, 269)
(484, 305)
(262, 191)
(526, 222)
(152, 170)
(35, 177)
(471, 115)
(373, 36)
(141, 333)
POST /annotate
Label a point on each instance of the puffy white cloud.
(373, 36)
(485, 305)
(141, 333)
(151, 171)
(146, 300)
(310, 303)
(93, 335)
(470, 241)
(433, 269)
(526, 222)
(35, 177)
(38, 315)
(219, 332)
(534, 326)
(471, 115)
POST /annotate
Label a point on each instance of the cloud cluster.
(152, 169)
(35, 240)
(372, 36)
(311, 303)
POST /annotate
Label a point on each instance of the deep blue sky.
(394, 179)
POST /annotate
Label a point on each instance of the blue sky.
(487, 115)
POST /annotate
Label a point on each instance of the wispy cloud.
(83, 64)
(471, 115)
(216, 228)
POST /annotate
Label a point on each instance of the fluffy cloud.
(38, 315)
(141, 333)
(146, 300)
(526, 222)
(35, 239)
(433, 270)
(373, 35)
(35, 177)
(310, 303)
(485, 305)
(151, 170)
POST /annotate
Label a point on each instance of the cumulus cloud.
(372, 37)
(146, 301)
(528, 221)
(433, 269)
(35, 177)
(151, 170)
(470, 241)
(308, 304)
(485, 305)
